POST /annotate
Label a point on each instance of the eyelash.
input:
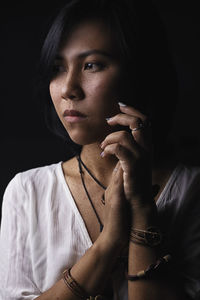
(88, 66)
(99, 66)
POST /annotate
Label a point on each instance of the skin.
(120, 159)
(95, 86)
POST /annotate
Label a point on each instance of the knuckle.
(105, 141)
(123, 135)
(116, 181)
(118, 149)
(133, 123)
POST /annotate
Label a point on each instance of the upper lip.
(72, 112)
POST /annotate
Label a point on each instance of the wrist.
(108, 245)
(144, 216)
(151, 236)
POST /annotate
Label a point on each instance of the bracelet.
(150, 270)
(75, 288)
(151, 237)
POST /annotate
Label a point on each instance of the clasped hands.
(130, 187)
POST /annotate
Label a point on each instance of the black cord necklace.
(95, 179)
(81, 163)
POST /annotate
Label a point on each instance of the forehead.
(88, 35)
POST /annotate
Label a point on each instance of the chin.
(90, 134)
(83, 140)
(86, 139)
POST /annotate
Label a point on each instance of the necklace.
(81, 164)
(155, 188)
(95, 179)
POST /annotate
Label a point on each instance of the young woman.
(120, 219)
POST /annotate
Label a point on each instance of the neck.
(100, 167)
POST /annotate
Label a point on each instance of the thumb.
(117, 178)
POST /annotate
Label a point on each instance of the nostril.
(71, 87)
(72, 97)
(75, 93)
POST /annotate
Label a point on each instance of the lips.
(74, 116)
(73, 113)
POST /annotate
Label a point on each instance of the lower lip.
(75, 119)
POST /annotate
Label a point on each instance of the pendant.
(103, 199)
(101, 227)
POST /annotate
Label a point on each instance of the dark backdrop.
(25, 141)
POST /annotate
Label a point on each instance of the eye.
(94, 67)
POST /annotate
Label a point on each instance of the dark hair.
(142, 42)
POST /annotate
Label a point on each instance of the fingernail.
(108, 119)
(122, 104)
(115, 169)
(102, 154)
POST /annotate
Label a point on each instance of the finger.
(117, 176)
(116, 179)
(126, 157)
(116, 168)
(125, 120)
(116, 185)
(123, 138)
(132, 111)
(142, 136)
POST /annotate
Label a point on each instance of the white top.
(43, 233)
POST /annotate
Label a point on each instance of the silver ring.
(142, 125)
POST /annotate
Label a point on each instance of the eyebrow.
(88, 53)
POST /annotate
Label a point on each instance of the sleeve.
(16, 276)
(188, 240)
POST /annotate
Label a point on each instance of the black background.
(25, 141)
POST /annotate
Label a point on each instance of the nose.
(71, 87)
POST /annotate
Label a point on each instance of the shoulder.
(181, 194)
(183, 182)
(184, 193)
(188, 178)
(189, 172)
(32, 182)
(40, 175)
(186, 233)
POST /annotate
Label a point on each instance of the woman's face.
(87, 82)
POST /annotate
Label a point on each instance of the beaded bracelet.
(150, 270)
(75, 288)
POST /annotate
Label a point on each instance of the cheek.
(103, 89)
(102, 101)
(53, 90)
(54, 93)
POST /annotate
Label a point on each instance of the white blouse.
(43, 233)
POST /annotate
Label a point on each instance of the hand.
(116, 212)
(133, 149)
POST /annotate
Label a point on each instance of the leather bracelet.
(74, 287)
(151, 237)
(144, 274)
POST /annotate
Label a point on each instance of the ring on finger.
(142, 125)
